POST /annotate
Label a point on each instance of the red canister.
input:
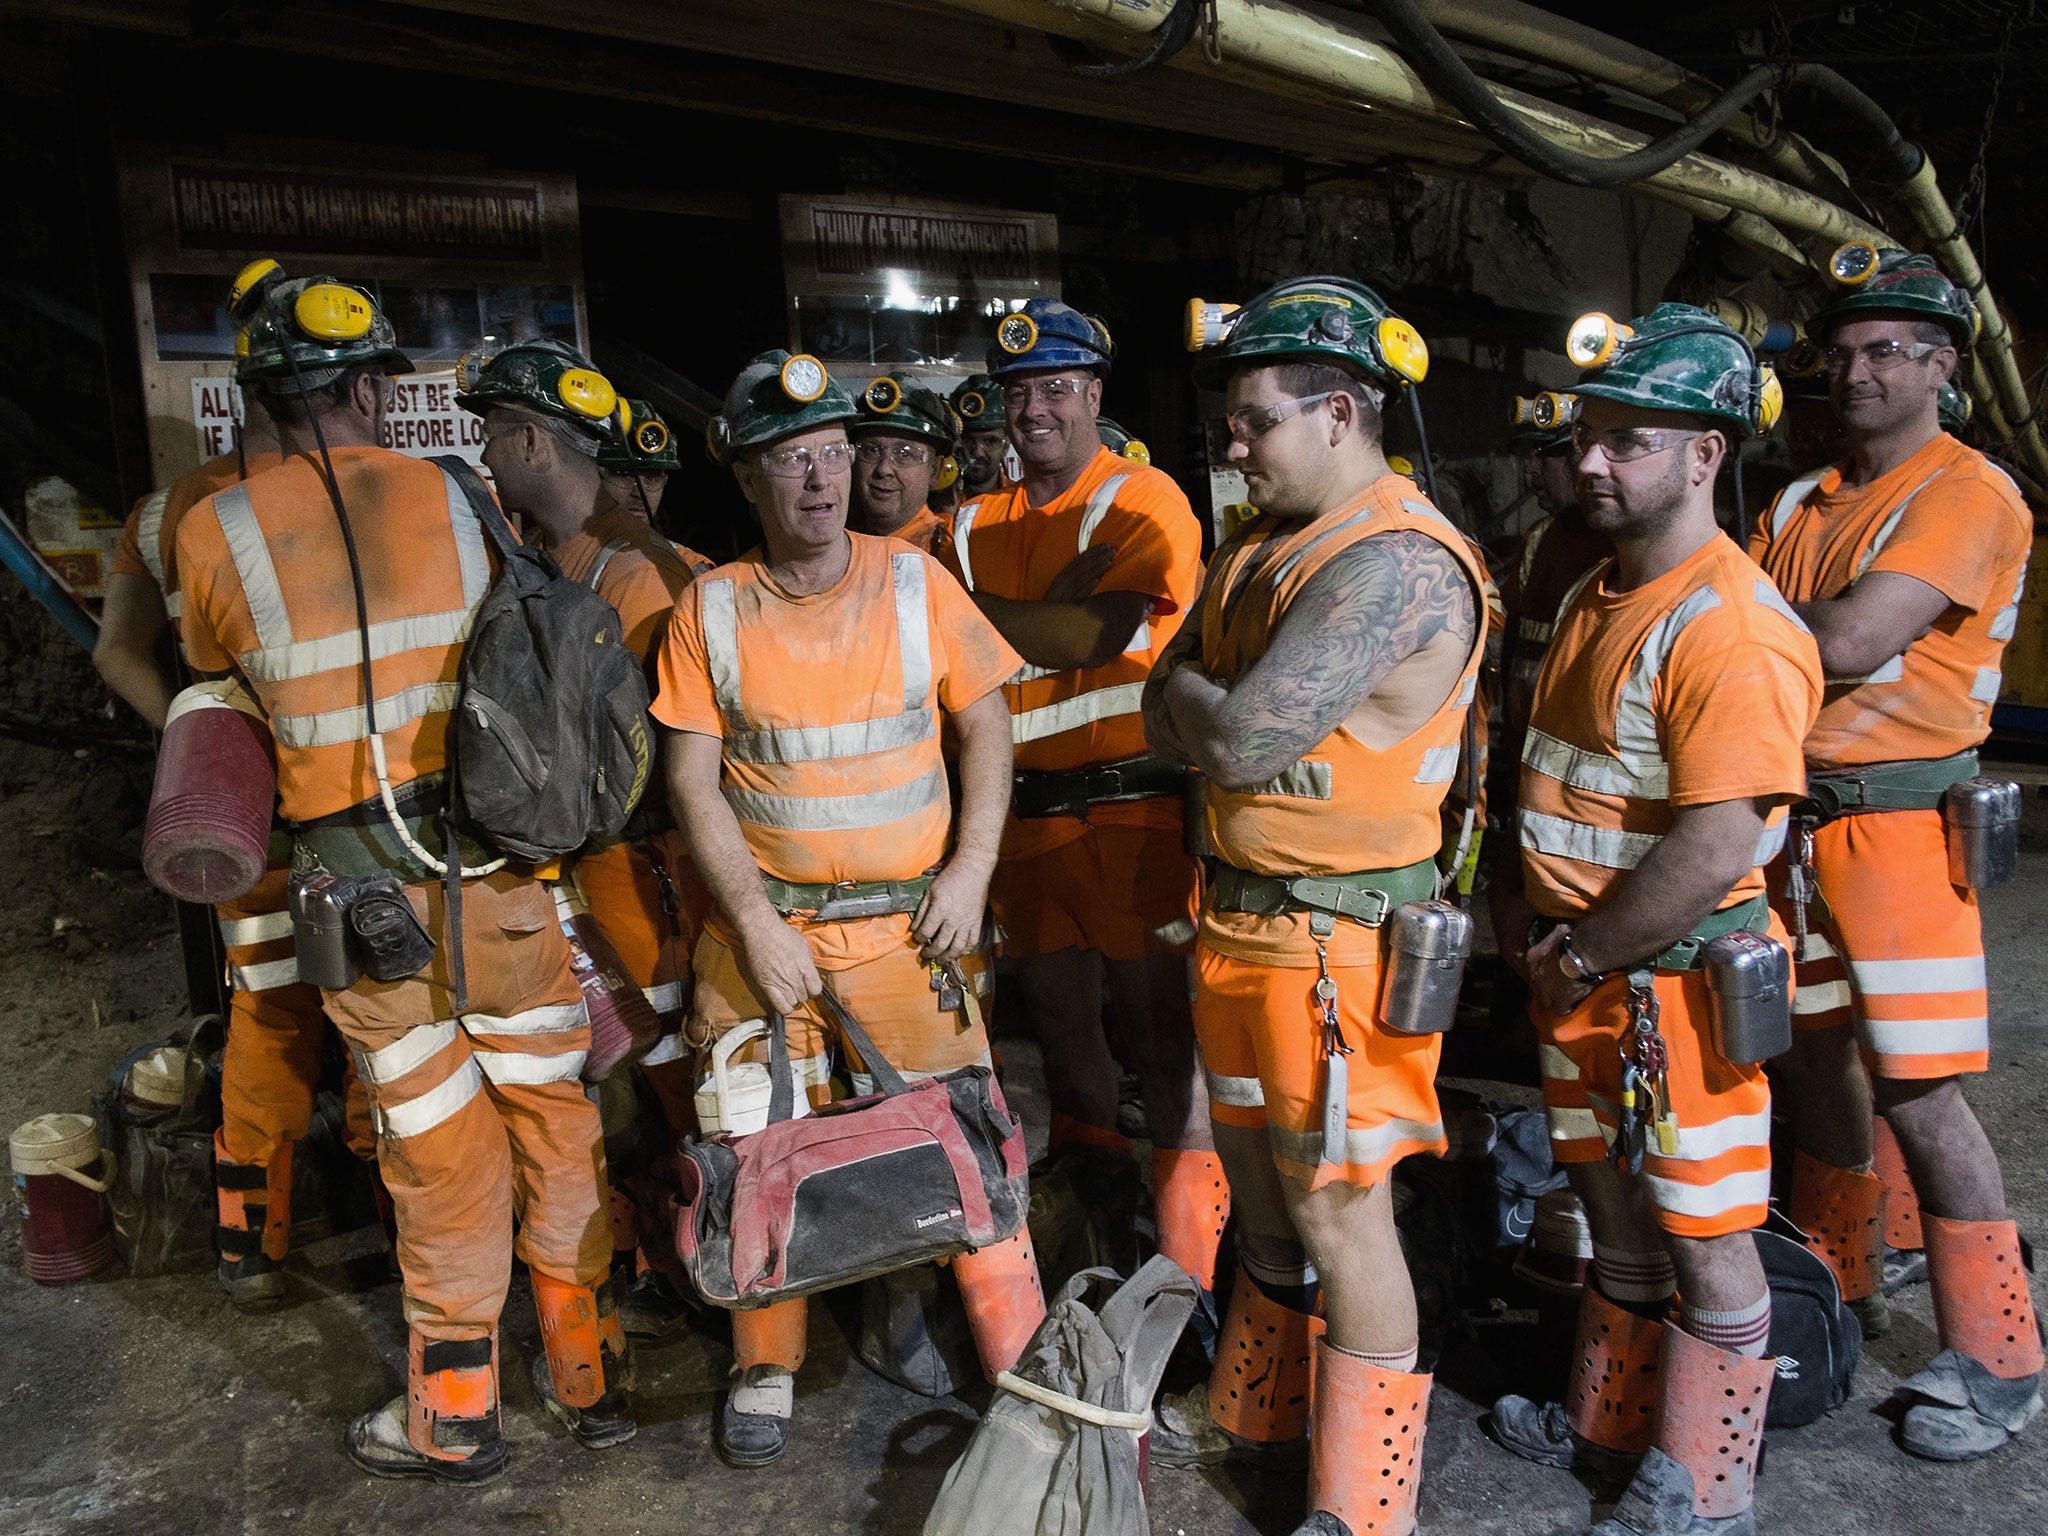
(61, 1177)
(210, 809)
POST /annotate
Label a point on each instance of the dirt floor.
(145, 1406)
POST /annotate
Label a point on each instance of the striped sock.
(1401, 1360)
(1643, 1283)
(1745, 1331)
(1293, 1286)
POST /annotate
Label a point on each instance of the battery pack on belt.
(1037, 795)
(1908, 786)
(848, 901)
(1753, 914)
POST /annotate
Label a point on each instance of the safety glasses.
(1878, 356)
(1052, 391)
(1255, 421)
(1624, 445)
(903, 455)
(797, 463)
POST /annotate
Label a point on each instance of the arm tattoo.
(1369, 609)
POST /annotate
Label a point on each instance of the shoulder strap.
(604, 558)
(480, 500)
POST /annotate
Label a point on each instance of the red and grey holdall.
(912, 1173)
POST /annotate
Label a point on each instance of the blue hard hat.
(1046, 333)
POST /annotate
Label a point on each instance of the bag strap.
(1144, 1319)
(886, 1077)
(781, 1092)
(480, 500)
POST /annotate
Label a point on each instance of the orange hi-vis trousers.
(483, 1118)
(1128, 890)
(1718, 1181)
(1892, 948)
(653, 910)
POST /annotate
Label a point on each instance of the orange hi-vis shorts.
(1125, 888)
(1892, 948)
(1261, 1032)
(1719, 1179)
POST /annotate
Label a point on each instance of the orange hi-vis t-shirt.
(1345, 806)
(1080, 716)
(268, 595)
(828, 706)
(149, 538)
(640, 573)
(927, 531)
(1949, 517)
(1692, 689)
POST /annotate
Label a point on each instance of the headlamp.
(587, 393)
(1802, 360)
(1522, 413)
(717, 438)
(1551, 410)
(469, 370)
(973, 403)
(803, 378)
(332, 313)
(1017, 334)
(1594, 338)
(1207, 324)
(1854, 263)
(1770, 403)
(650, 439)
(1403, 349)
(882, 395)
(1136, 451)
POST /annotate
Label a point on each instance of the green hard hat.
(1331, 319)
(1954, 408)
(1871, 282)
(979, 402)
(775, 396)
(1675, 358)
(1542, 422)
(899, 403)
(306, 331)
(647, 447)
(541, 375)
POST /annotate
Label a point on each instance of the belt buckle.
(1386, 906)
(837, 909)
(1114, 787)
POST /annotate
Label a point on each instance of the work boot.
(1985, 1385)
(607, 1422)
(1323, 1523)
(1255, 1408)
(253, 1284)
(252, 1224)
(1903, 1267)
(377, 1443)
(587, 1371)
(445, 1424)
(753, 1421)
(653, 1307)
(1699, 1476)
(1603, 1426)
(1958, 1411)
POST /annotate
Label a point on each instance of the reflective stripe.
(1470, 691)
(1235, 1092)
(1528, 668)
(1925, 1037)
(174, 606)
(838, 813)
(1098, 508)
(2005, 624)
(1574, 1124)
(256, 930)
(1768, 596)
(1635, 716)
(1820, 997)
(913, 632)
(433, 1106)
(1700, 1143)
(251, 557)
(819, 743)
(1556, 1065)
(1362, 1148)
(1985, 689)
(1889, 527)
(390, 637)
(525, 1069)
(1894, 978)
(722, 646)
(1439, 764)
(1789, 500)
(1715, 1199)
(1424, 509)
(1609, 847)
(553, 1018)
(963, 524)
(1772, 842)
(1890, 672)
(1302, 781)
(335, 726)
(471, 560)
(1594, 771)
(667, 1049)
(1070, 714)
(418, 1044)
(149, 538)
(265, 975)
(665, 997)
(1817, 948)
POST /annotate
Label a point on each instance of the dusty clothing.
(929, 531)
(149, 537)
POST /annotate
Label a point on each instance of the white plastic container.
(734, 1099)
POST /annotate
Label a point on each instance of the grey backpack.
(550, 741)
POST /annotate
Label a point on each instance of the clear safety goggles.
(789, 463)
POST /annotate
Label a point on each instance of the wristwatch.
(1573, 964)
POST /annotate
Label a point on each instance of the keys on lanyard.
(949, 984)
(1801, 886)
(1336, 1070)
(1647, 1117)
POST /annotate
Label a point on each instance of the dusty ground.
(147, 1406)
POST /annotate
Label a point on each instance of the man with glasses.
(1087, 566)
(1662, 750)
(1322, 689)
(984, 440)
(803, 686)
(903, 444)
(1906, 558)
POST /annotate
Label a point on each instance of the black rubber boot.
(377, 1444)
(253, 1284)
(607, 1422)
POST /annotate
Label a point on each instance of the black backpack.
(1814, 1335)
(550, 741)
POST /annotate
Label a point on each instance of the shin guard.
(1004, 1301)
(1192, 1200)
(1365, 1454)
(1841, 1212)
(1983, 1307)
(1710, 1420)
(1612, 1399)
(253, 1204)
(1901, 1201)
(569, 1332)
(1259, 1388)
(773, 1335)
(452, 1396)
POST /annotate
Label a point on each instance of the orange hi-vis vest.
(148, 544)
(1077, 716)
(1949, 517)
(1345, 807)
(1694, 688)
(832, 762)
(268, 594)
